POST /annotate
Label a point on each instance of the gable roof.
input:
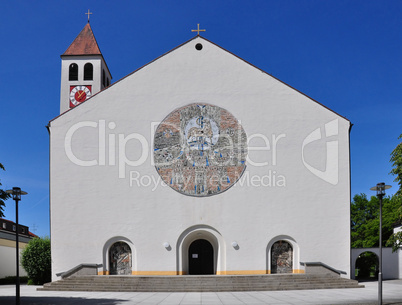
(29, 233)
(84, 44)
(201, 37)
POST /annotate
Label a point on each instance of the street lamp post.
(380, 188)
(16, 193)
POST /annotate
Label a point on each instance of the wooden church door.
(201, 257)
(120, 258)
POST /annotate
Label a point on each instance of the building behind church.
(8, 260)
(196, 163)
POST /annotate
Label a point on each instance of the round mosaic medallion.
(200, 150)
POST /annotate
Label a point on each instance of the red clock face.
(79, 94)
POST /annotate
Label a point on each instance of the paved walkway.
(392, 294)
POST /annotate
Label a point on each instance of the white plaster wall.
(91, 204)
(8, 262)
(399, 252)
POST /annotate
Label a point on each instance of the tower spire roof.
(84, 44)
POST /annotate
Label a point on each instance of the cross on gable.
(198, 29)
(89, 13)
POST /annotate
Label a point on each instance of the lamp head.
(16, 193)
(380, 188)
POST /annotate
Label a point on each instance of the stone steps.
(200, 283)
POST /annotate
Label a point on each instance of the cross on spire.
(89, 13)
(198, 30)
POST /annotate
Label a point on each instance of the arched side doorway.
(120, 259)
(367, 266)
(200, 257)
(281, 257)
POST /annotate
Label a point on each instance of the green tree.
(396, 159)
(3, 196)
(395, 241)
(365, 221)
(36, 260)
(363, 212)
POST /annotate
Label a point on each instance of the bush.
(36, 260)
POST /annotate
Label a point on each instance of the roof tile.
(84, 44)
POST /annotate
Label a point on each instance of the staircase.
(204, 283)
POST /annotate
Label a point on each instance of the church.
(196, 163)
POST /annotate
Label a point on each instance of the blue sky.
(344, 54)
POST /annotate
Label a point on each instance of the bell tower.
(83, 70)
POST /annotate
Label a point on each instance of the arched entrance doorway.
(281, 257)
(201, 257)
(120, 258)
(367, 266)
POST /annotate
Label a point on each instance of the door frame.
(200, 232)
(105, 251)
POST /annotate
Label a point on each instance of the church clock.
(79, 94)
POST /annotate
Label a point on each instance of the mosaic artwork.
(200, 150)
(120, 259)
(282, 257)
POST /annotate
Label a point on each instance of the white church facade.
(196, 163)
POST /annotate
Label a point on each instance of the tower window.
(88, 71)
(107, 82)
(103, 78)
(73, 72)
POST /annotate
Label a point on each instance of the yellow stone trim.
(232, 272)
(148, 273)
(251, 272)
(155, 273)
(298, 271)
